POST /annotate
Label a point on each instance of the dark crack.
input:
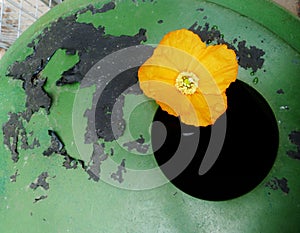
(112, 152)
(58, 147)
(40, 198)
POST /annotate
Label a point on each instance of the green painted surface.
(76, 204)
(61, 97)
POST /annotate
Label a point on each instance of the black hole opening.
(248, 153)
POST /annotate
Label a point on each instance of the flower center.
(187, 83)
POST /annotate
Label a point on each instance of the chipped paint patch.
(278, 184)
(139, 145)
(294, 137)
(118, 176)
(41, 182)
(248, 57)
(58, 147)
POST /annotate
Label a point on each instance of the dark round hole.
(248, 153)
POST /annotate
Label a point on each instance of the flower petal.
(173, 58)
(185, 40)
(181, 47)
(208, 108)
(183, 51)
(221, 63)
(167, 108)
(216, 106)
(169, 98)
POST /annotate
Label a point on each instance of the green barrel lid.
(76, 151)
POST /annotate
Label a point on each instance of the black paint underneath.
(15, 135)
(294, 137)
(118, 175)
(57, 147)
(13, 178)
(276, 184)
(91, 44)
(114, 91)
(94, 168)
(40, 198)
(248, 57)
(139, 145)
(248, 153)
(41, 182)
(280, 91)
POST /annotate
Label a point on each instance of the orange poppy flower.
(189, 79)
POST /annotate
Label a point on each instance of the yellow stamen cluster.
(187, 83)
